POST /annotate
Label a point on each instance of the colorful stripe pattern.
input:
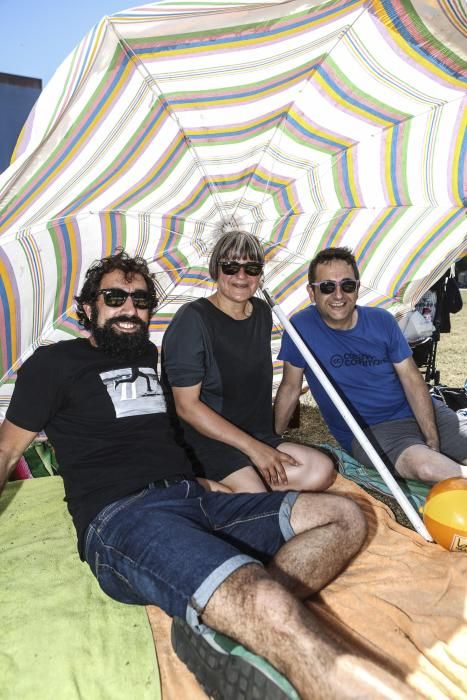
(310, 125)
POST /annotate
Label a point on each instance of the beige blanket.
(403, 598)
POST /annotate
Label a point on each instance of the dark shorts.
(395, 436)
(173, 547)
(212, 459)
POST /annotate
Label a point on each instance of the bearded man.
(240, 563)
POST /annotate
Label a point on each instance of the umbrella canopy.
(308, 124)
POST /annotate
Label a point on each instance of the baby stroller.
(424, 355)
(435, 306)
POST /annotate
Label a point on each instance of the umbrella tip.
(229, 226)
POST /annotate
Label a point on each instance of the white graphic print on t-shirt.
(134, 391)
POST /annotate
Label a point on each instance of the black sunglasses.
(329, 286)
(116, 297)
(231, 267)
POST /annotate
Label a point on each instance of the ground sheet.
(401, 599)
(61, 636)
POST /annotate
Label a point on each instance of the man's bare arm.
(13, 442)
(287, 396)
(419, 399)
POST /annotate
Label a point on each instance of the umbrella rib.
(151, 82)
(268, 147)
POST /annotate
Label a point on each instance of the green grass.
(451, 357)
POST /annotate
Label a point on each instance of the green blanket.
(369, 478)
(61, 636)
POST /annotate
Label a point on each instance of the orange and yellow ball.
(445, 514)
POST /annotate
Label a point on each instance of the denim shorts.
(173, 547)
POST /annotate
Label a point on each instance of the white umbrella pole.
(378, 463)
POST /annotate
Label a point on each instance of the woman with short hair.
(217, 359)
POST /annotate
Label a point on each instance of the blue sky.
(37, 35)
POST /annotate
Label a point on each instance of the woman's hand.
(270, 463)
(267, 460)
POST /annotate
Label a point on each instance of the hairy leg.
(281, 629)
(329, 531)
(420, 462)
(315, 470)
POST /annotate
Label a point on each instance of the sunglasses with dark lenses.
(116, 297)
(329, 286)
(231, 267)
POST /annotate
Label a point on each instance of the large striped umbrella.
(307, 124)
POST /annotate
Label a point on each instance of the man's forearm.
(284, 406)
(6, 467)
(422, 407)
(3, 481)
(420, 401)
(13, 442)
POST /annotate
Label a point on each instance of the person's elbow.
(280, 424)
(183, 410)
(410, 377)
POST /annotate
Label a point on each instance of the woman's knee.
(327, 473)
(316, 470)
(314, 477)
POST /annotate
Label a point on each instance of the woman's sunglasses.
(329, 286)
(231, 267)
(116, 297)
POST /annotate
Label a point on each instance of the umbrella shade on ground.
(307, 124)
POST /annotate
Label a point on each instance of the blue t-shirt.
(359, 360)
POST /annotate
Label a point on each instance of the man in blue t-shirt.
(365, 354)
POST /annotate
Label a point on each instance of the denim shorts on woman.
(173, 547)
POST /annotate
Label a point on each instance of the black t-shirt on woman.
(232, 361)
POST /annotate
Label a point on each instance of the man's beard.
(123, 346)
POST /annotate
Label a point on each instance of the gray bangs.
(235, 245)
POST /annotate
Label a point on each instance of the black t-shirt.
(231, 359)
(106, 418)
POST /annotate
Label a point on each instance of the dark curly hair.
(119, 261)
(327, 255)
